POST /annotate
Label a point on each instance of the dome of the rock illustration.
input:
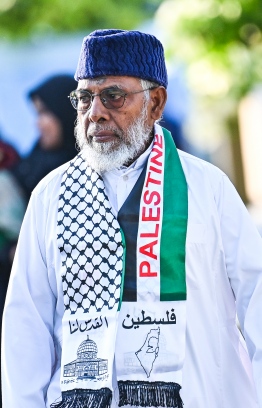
(87, 349)
(87, 364)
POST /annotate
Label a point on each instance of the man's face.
(110, 138)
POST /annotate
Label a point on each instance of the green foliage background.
(22, 18)
(225, 35)
(220, 42)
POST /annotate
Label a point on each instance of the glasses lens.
(73, 99)
(81, 100)
(112, 98)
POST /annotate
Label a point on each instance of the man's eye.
(113, 95)
(84, 98)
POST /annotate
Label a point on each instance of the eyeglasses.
(111, 98)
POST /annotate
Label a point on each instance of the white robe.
(223, 273)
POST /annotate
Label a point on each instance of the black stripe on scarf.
(128, 218)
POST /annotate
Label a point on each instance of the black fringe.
(81, 398)
(149, 394)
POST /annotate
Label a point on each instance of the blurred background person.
(19, 176)
(8, 155)
(55, 121)
(12, 209)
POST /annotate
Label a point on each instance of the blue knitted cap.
(122, 53)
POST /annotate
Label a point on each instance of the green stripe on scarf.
(174, 226)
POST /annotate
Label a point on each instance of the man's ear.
(158, 97)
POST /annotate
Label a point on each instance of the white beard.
(110, 155)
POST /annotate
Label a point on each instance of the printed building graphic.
(87, 365)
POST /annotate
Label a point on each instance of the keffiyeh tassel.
(149, 394)
(80, 398)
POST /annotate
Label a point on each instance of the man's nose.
(97, 111)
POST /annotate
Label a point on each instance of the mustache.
(93, 130)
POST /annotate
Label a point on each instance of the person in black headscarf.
(56, 143)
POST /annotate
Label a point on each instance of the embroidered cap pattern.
(89, 239)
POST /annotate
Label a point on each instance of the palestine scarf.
(145, 338)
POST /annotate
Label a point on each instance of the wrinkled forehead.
(120, 81)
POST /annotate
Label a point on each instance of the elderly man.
(133, 259)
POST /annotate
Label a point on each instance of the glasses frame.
(92, 96)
